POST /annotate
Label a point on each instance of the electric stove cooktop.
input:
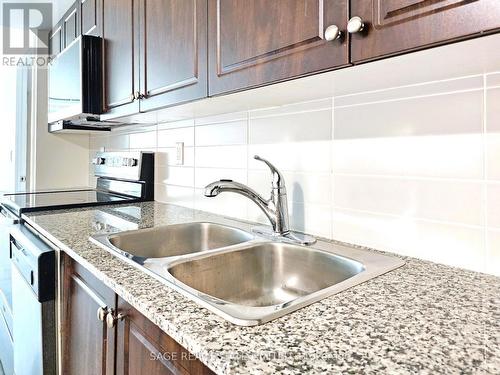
(122, 177)
(20, 203)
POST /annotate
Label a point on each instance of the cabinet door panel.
(87, 344)
(256, 42)
(394, 26)
(91, 17)
(121, 61)
(143, 348)
(71, 26)
(173, 51)
(55, 40)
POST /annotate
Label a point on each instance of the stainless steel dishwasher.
(33, 303)
(7, 220)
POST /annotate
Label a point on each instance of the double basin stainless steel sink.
(243, 278)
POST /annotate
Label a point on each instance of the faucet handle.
(277, 178)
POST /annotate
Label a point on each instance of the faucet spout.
(275, 208)
(217, 187)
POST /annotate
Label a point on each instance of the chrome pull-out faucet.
(275, 208)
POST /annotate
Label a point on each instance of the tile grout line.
(400, 99)
(485, 200)
(419, 84)
(332, 170)
(414, 218)
(193, 191)
(413, 177)
(485, 169)
(247, 159)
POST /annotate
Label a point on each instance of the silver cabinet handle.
(111, 319)
(355, 25)
(102, 312)
(332, 32)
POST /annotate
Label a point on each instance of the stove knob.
(98, 161)
(129, 162)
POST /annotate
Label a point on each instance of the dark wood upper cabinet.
(121, 56)
(88, 346)
(143, 348)
(55, 40)
(91, 17)
(256, 42)
(71, 25)
(395, 26)
(173, 62)
(159, 53)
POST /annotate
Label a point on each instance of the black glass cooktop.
(38, 201)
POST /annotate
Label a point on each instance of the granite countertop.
(421, 318)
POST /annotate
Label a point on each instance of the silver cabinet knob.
(332, 32)
(112, 319)
(101, 313)
(355, 25)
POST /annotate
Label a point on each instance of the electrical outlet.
(179, 155)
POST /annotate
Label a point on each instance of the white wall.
(409, 168)
(8, 127)
(57, 161)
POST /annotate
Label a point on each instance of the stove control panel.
(122, 165)
(98, 161)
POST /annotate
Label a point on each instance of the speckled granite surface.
(423, 318)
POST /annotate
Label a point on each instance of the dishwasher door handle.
(19, 261)
(7, 219)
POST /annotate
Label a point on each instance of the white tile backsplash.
(221, 156)
(180, 176)
(180, 195)
(411, 169)
(493, 79)
(440, 156)
(231, 133)
(493, 252)
(301, 187)
(143, 140)
(423, 90)
(170, 137)
(204, 176)
(456, 245)
(310, 157)
(493, 208)
(168, 156)
(300, 127)
(458, 113)
(412, 197)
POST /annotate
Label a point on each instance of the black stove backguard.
(126, 173)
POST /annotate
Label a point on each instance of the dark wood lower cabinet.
(143, 348)
(88, 346)
(132, 346)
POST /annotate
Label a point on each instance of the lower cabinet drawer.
(6, 347)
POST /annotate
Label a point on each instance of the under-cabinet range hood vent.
(75, 101)
(82, 125)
